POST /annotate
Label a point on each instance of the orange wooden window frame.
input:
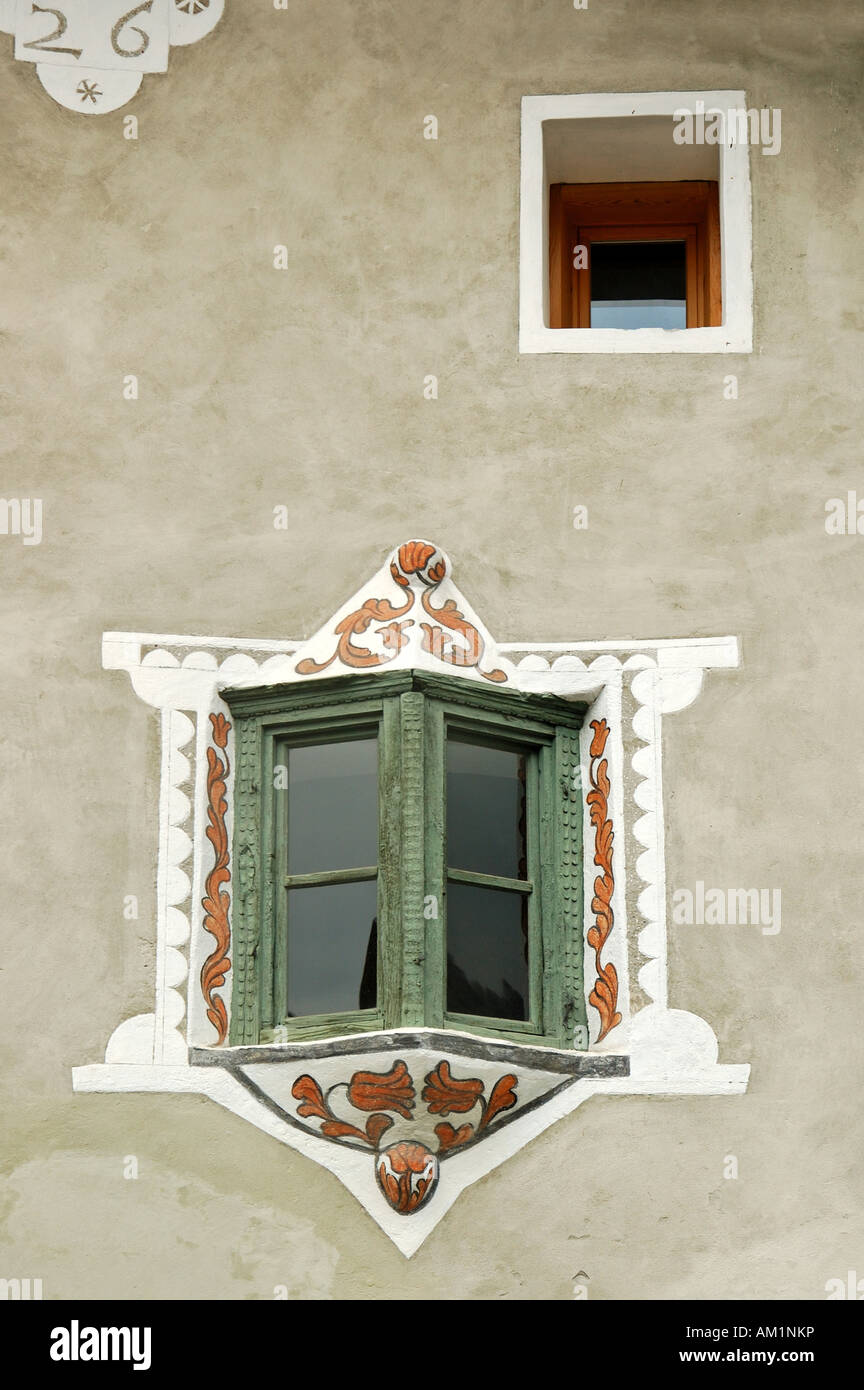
(581, 213)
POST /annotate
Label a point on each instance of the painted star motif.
(89, 89)
(192, 6)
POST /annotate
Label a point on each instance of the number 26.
(47, 45)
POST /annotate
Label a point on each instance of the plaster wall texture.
(305, 388)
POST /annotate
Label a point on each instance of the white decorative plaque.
(91, 55)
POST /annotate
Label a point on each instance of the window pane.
(638, 284)
(332, 944)
(485, 810)
(333, 806)
(487, 952)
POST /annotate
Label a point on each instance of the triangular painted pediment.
(409, 614)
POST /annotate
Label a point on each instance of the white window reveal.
(668, 271)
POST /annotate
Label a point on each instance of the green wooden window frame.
(411, 713)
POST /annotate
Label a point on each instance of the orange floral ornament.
(444, 1095)
(407, 1172)
(604, 995)
(418, 568)
(414, 558)
(313, 1102)
(217, 900)
(392, 1090)
(407, 1175)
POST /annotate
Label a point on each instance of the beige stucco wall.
(305, 387)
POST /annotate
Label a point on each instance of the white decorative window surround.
(628, 137)
(317, 1096)
(91, 55)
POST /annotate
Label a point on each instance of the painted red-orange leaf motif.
(445, 1095)
(412, 558)
(341, 1129)
(308, 1092)
(604, 995)
(392, 1090)
(374, 610)
(503, 1097)
(450, 1138)
(216, 900)
(439, 644)
(377, 1125)
(313, 1102)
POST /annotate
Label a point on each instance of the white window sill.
(634, 340)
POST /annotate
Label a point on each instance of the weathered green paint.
(411, 713)
(390, 879)
(332, 876)
(411, 707)
(244, 1025)
(564, 868)
(308, 697)
(435, 887)
(508, 885)
(272, 963)
(537, 912)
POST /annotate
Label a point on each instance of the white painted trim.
(723, 650)
(118, 647)
(173, 887)
(649, 832)
(736, 332)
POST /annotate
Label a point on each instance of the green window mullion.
(390, 885)
(563, 864)
(246, 887)
(413, 815)
(435, 886)
(534, 904)
(547, 881)
(270, 962)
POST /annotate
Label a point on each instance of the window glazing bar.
(330, 876)
(508, 885)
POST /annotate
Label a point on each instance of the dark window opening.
(638, 284)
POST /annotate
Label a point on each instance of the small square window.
(640, 255)
(665, 227)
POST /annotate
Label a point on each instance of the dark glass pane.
(487, 952)
(333, 806)
(332, 937)
(485, 810)
(638, 284)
